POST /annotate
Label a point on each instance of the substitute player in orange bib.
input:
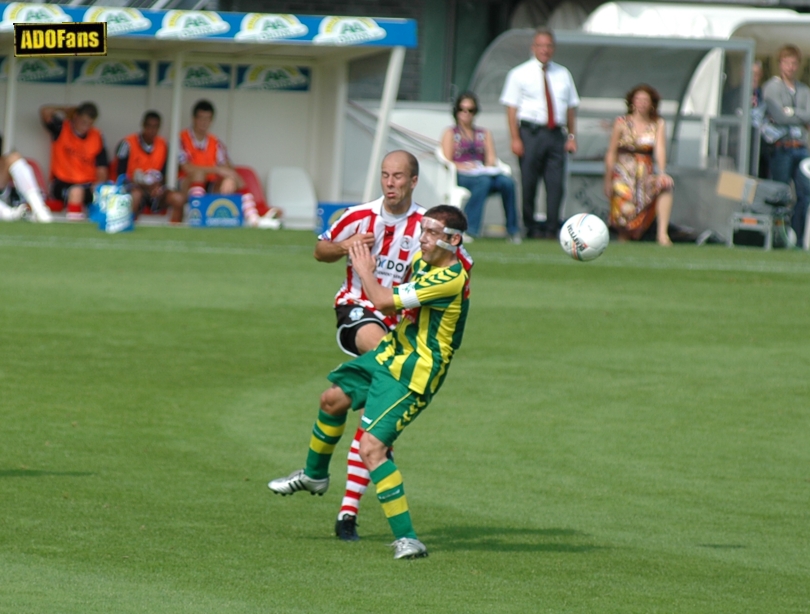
(78, 155)
(205, 165)
(142, 158)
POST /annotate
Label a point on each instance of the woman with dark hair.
(472, 150)
(636, 192)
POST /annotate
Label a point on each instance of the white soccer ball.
(584, 237)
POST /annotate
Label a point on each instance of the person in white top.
(541, 102)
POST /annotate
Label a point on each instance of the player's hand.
(365, 238)
(517, 147)
(362, 260)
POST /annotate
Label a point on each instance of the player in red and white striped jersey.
(390, 227)
(396, 239)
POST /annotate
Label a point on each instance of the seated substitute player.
(142, 158)
(389, 226)
(13, 167)
(396, 381)
(204, 162)
(78, 155)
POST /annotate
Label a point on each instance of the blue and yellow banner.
(110, 72)
(37, 70)
(205, 75)
(270, 28)
(264, 77)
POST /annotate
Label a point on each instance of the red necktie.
(552, 123)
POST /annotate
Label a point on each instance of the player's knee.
(372, 451)
(335, 402)
(227, 186)
(175, 199)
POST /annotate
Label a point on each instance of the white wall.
(261, 129)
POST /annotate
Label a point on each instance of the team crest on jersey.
(355, 314)
(406, 243)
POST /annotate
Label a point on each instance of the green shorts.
(389, 405)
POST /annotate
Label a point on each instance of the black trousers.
(543, 158)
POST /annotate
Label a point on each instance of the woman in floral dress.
(635, 190)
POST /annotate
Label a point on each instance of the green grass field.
(627, 435)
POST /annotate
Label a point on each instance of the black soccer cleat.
(346, 528)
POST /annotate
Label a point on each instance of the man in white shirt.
(541, 139)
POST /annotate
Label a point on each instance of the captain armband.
(407, 295)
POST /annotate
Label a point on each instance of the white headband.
(434, 224)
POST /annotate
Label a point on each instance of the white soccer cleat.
(18, 212)
(407, 548)
(41, 214)
(296, 481)
(11, 214)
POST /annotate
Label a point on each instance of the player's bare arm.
(514, 131)
(366, 265)
(332, 251)
(189, 169)
(46, 112)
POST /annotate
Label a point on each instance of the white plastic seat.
(447, 182)
(450, 193)
(291, 189)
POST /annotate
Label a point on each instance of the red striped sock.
(357, 479)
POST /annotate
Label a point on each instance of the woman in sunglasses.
(472, 150)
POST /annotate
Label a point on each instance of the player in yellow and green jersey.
(397, 380)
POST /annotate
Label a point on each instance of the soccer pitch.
(627, 435)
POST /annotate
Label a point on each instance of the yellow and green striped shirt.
(434, 306)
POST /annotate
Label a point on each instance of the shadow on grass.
(495, 539)
(38, 473)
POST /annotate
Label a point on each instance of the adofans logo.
(51, 39)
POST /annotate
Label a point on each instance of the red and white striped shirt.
(396, 240)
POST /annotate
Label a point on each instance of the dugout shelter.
(279, 83)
